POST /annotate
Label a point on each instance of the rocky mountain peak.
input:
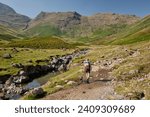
(11, 19)
(5, 9)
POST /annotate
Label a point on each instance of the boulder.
(37, 91)
(135, 95)
(19, 65)
(4, 78)
(9, 81)
(7, 56)
(59, 86)
(72, 83)
(21, 79)
(15, 50)
(1, 87)
(22, 73)
(63, 67)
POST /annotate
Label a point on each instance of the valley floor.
(101, 87)
(119, 72)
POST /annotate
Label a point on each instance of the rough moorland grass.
(131, 71)
(41, 43)
(102, 33)
(135, 33)
(43, 30)
(50, 87)
(8, 34)
(25, 55)
(121, 72)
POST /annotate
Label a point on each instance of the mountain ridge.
(73, 24)
(10, 18)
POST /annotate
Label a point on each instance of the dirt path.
(100, 87)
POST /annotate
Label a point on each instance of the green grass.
(24, 55)
(126, 82)
(8, 34)
(135, 33)
(41, 43)
(43, 31)
(50, 87)
(102, 33)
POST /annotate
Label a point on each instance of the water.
(40, 81)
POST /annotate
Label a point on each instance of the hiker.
(87, 69)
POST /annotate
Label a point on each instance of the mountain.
(72, 24)
(41, 43)
(11, 19)
(7, 34)
(137, 32)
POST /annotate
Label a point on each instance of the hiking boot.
(88, 82)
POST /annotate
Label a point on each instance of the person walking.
(87, 69)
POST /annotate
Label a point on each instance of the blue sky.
(85, 7)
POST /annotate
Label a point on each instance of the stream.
(40, 81)
(36, 76)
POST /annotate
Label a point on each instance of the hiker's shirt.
(87, 66)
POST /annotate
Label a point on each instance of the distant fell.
(137, 32)
(11, 19)
(72, 24)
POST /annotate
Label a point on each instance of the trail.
(101, 87)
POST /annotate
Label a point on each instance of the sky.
(32, 8)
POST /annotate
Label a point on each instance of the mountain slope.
(72, 24)
(135, 33)
(11, 19)
(8, 34)
(41, 43)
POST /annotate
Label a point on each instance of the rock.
(63, 67)
(1, 87)
(1, 95)
(4, 78)
(15, 50)
(136, 54)
(102, 56)
(21, 90)
(114, 58)
(59, 86)
(66, 81)
(105, 64)
(22, 73)
(21, 79)
(95, 68)
(148, 76)
(19, 65)
(7, 56)
(131, 72)
(9, 81)
(72, 83)
(30, 61)
(135, 95)
(37, 91)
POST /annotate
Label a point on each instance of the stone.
(59, 86)
(21, 79)
(1, 87)
(135, 95)
(37, 91)
(133, 72)
(72, 83)
(19, 65)
(23, 73)
(7, 56)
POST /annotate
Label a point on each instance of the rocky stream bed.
(32, 77)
